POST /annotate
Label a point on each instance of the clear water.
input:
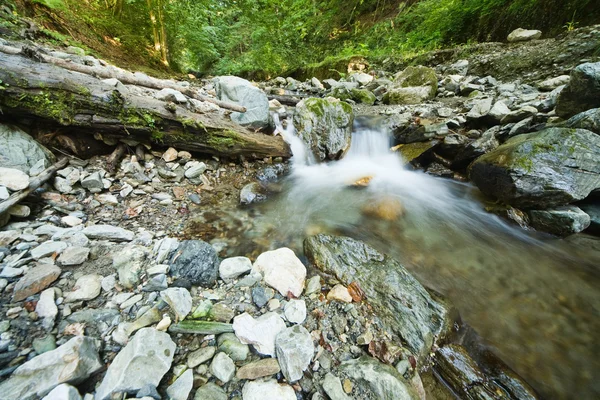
(535, 300)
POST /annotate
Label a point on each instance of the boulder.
(400, 301)
(418, 76)
(524, 35)
(549, 168)
(196, 262)
(72, 363)
(407, 95)
(560, 221)
(325, 125)
(282, 270)
(242, 92)
(589, 120)
(20, 151)
(582, 92)
(295, 350)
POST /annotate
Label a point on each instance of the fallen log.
(65, 101)
(290, 100)
(115, 158)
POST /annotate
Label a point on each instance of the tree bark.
(63, 101)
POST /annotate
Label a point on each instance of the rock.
(242, 92)
(593, 210)
(170, 155)
(210, 391)
(549, 168)
(145, 359)
(44, 345)
(35, 280)
(195, 171)
(387, 208)
(201, 327)
(180, 301)
(13, 179)
(295, 311)
(108, 232)
(295, 350)
(267, 390)
(377, 379)
(19, 211)
(20, 151)
(181, 388)
(316, 83)
(519, 115)
(498, 111)
(402, 304)
(168, 94)
(73, 256)
(460, 67)
(480, 109)
(589, 120)
(339, 293)
(325, 125)
(72, 363)
(252, 193)
(313, 285)
(550, 84)
(163, 248)
(130, 264)
(86, 288)
(148, 392)
(93, 182)
(46, 308)
(4, 193)
(195, 261)
(260, 332)
(200, 356)
(333, 387)
(282, 270)
(523, 35)
(222, 367)
(232, 346)
(231, 268)
(561, 221)
(63, 392)
(47, 249)
(71, 221)
(418, 76)
(262, 295)
(486, 143)
(259, 369)
(361, 78)
(582, 92)
(407, 95)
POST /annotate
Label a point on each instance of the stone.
(267, 390)
(480, 109)
(498, 111)
(87, 287)
(63, 392)
(231, 268)
(222, 367)
(72, 363)
(418, 76)
(44, 345)
(210, 391)
(195, 171)
(130, 264)
(168, 94)
(325, 125)
(164, 324)
(295, 311)
(73, 256)
(47, 249)
(163, 248)
(170, 155)
(404, 306)
(582, 93)
(560, 221)
(379, 380)
(259, 369)
(295, 350)
(221, 312)
(339, 293)
(181, 388)
(407, 95)
(20, 151)
(553, 167)
(19, 211)
(523, 35)
(4, 194)
(282, 270)
(361, 78)
(62, 185)
(332, 385)
(148, 392)
(195, 261)
(589, 120)
(200, 356)
(180, 301)
(486, 143)
(46, 309)
(242, 92)
(35, 280)
(313, 285)
(71, 221)
(93, 182)
(108, 232)
(519, 115)
(145, 359)
(252, 193)
(262, 295)
(259, 332)
(550, 84)
(229, 344)
(201, 327)
(13, 179)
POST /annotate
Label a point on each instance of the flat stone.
(87, 287)
(180, 301)
(108, 232)
(267, 390)
(259, 332)
(295, 311)
(222, 367)
(195, 171)
(63, 392)
(295, 350)
(73, 256)
(339, 293)
(282, 270)
(93, 182)
(47, 249)
(231, 268)
(259, 369)
(131, 301)
(35, 280)
(70, 220)
(10, 272)
(200, 356)
(181, 388)
(210, 391)
(168, 94)
(13, 179)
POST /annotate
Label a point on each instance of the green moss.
(316, 106)
(224, 140)
(363, 96)
(57, 106)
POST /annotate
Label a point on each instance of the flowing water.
(534, 299)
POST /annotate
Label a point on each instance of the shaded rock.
(195, 261)
(180, 301)
(550, 84)
(582, 92)
(295, 350)
(63, 392)
(418, 76)
(242, 92)
(231, 268)
(72, 363)
(407, 95)
(282, 270)
(222, 367)
(252, 193)
(181, 388)
(561, 221)
(20, 151)
(267, 390)
(259, 369)
(519, 115)
(259, 332)
(35, 280)
(130, 264)
(108, 232)
(413, 151)
(589, 120)
(73, 256)
(13, 179)
(87, 287)
(593, 210)
(261, 295)
(200, 356)
(486, 143)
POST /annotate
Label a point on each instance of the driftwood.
(115, 157)
(63, 101)
(33, 185)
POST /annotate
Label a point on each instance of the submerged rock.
(582, 92)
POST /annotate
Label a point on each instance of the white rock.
(108, 232)
(48, 248)
(13, 179)
(361, 78)
(181, 388)
(19, 210)
(87, 287)
(339, 293)
(282, 270)
(71, 220)
(126, 190)
(63, 392)
(333, 387)
(168, 94)
(62, 185)
(195, 170)
(108, 199)
(222, 367)
(108, 282)
(295, 350)
(553, 83)
(295, 311)
(73, 256)
(163, 248)
(259, 332)
(4, 193)
(233, 267)
(267, 390)
(46, 308)
(180, 301)
(523, 35)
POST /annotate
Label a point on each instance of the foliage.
(51, 4)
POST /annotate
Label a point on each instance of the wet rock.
(387, 208)
(73, 256)
(47, 249)
(259, 369)
(259, 332)
(252, 193)
(87, 287)
(231, 268)
(524, 35)
(333, 387)
(242, 92)
(63, 392)
(403, 305)
(325, 125)
(561, 221)
(130, 263)
(548, 168)
(35, 280)
(180, 301)
(145, 359)
(582, 92)
(197, 262)
(593, 210)
(232, 346)
(295, 311)
(72, 363)
(200, 356)
(486, 143)
(210, 391)
(267, 390)
(20, 151)
(295, 350)
(181, 388)
(108, 232)
(282, 270)
(222, 367)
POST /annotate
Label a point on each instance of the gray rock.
(73, 256)
(232, 346)
(63, 392)
(195, 171)
(486, 143)
(242, 92)
(295, 350)
(130, 264)
(156, 283)
(582, 92)
(401, 302)
(561, 221)
(145, 359)
(46, 308)
(86, 288)
(222, 367)
(361, 78)
(480, 109)
(231, 268)
(381, 381)
(418, 76)
(93, 182)
(180, 301)
(4, 193)
(524, 35)
(195, 261)
(519, 115)
(325, 125)
(333, 387)
(168, 94)
(13, 179)
(148, 391)
(108, 232)
(549, 168)
(163, 248)
(589, 120)
(407, 95)
(72, 363)
(252, 193)
(200, 356)
(210, 391)
(267, 390)
(498, 111)
(47, 249)
(20, 151)
(261, 295)
(550, 84)
(181, 388)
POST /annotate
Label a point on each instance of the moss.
(57, 106)
(418, 76)
(224, 140)
(363, 96)
(316, 106)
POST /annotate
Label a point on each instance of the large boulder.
(549, 168)
(242, 92)
(325, 125)
(403, 304)
(407, 95)
(582, 92)
(418, 76)
(20, 151)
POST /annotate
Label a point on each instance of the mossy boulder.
(553, 167)
(407, 95)
(325, 125)
(362, 96)
(582, 92)
(418, 76)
